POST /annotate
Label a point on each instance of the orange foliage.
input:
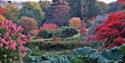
(49, 26)
(2, 18)
(75, 22)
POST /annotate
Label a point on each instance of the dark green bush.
(44, 34)
(65, 32)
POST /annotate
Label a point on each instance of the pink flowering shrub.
(11, 42)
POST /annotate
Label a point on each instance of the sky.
(106, 1)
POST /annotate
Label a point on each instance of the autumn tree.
(10, 10)
(58, 13)
(28, 24)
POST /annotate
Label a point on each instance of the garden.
(62, 31)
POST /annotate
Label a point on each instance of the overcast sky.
(107, 1)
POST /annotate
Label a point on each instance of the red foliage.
(2, 10)
(112, 30)
(121, 1)
(49, 26)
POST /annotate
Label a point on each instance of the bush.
(2, 10)
(75, 22)
(27, 23)
(11, 42)
(44, 34)
(49, 26)
(112, 30)
(66, 32)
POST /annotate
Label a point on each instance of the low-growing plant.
(44, 34)
(65, 32)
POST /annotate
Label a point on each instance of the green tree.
(84, 9)
(33, 10)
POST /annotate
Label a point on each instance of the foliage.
(90, 9)
(75, 22)
(11, 42)
(75, 8)
(65, 32)
(44, 34)
(86, 55)
(83, 9)
(58, 13)
(112, 7)
(121, 1)
(112, 30)
(45, 5)
(11, 11)
(33, 10)
(49, 26)
(2, 18)
(2, 10)
(102, 5)
(28, 24)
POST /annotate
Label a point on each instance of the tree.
(58, 13)
(33, 10)
(112, 7)
(10, 10)
(74, 8)
(102, 5)
(89, 9)
(83, 9)
(45, 5)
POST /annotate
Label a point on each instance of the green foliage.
(84, 9)
(33, 10)
(44, 34)
(88, 55)
(11, 12)
(65, 32)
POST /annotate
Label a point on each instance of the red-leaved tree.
(121, 1)
(112, 31)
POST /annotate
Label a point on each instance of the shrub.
(27, 23)
(66, 32)
(49, 26)
(2, 18)
(2, 10)
(75, 22)
(44, 34)
(112, 30)
(11, 42)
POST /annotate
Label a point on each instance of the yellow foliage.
(75, 22)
